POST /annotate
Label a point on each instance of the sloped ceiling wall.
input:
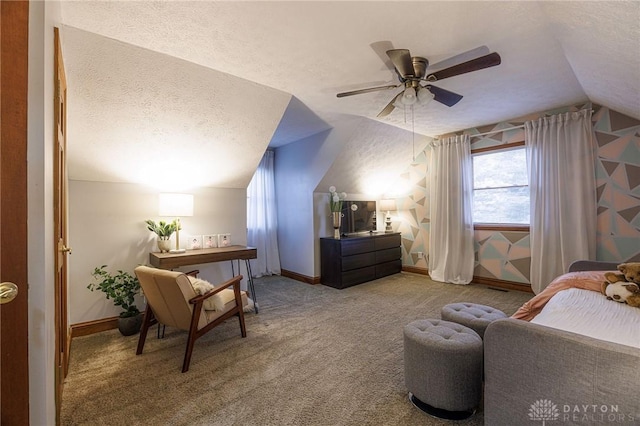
(372, 159)
(145, 117)
(601, 42)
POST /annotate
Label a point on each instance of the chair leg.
(239, 306)
(187, 355)
(147, 322)
(243, 328)
(193, 335)
(161, 335)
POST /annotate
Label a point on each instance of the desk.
(209, 255)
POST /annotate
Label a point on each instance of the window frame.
(497, 226)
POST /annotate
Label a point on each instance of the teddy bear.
(624, 287)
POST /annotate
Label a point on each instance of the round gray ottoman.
(443, 368)
(476, 317)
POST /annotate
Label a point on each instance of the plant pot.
(128, 326)
(164, 244)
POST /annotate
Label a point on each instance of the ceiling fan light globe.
(425, 96)
(409, 97)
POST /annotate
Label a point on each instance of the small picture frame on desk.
(210, 241)
(195, 242)
(224, 240)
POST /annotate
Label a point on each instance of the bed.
(568, 354)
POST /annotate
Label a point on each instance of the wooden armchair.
(172, 301)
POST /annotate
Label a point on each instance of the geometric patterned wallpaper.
(413, 211)
(506, 255)
(618, 185)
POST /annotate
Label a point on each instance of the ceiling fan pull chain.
(413, 134)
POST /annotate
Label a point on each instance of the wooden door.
(14, 345)
(61, 248)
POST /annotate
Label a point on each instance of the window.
(500, 187)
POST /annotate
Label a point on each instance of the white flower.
(335, 199)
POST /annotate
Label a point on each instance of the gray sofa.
(533, 372)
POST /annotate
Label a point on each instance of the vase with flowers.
(335, 204)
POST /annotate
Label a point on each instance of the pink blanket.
(588, 280)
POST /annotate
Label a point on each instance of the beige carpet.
(314, 355)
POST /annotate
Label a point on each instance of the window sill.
(500, 227)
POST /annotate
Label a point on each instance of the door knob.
(8, 292)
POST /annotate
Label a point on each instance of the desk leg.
(253, 290)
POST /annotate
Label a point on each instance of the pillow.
(214, 303)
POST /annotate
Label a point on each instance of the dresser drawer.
(387, 241)
(388, 255)
(388, 268)
(360, 245)
(358, 276)
(358, 261)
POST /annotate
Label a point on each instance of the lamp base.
(173, 251)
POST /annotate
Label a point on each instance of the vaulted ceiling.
(553, 54)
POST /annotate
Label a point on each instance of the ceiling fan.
(412, 71)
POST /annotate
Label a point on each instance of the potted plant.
(122, 288)
(163, 230)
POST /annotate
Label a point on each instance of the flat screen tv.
(357, 217)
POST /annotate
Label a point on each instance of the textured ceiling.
(145, 117)
(553, 53)
(242, 64)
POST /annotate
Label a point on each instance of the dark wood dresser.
(352, 260)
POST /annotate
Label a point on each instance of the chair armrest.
(592, 265)
(193, 273)
(232, 282)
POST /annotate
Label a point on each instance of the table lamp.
(176, 205)
(388, 206)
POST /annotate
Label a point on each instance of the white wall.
(43, 16)
(299, 167)
(107, 228)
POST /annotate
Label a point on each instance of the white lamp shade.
(387, 205)
(175, 205)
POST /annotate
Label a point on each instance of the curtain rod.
(497, 131)
(508, 128)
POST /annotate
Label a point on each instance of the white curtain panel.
(560, 160)
(262, 223)
(451, 257)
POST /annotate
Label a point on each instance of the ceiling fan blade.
(389, 108)
(401, 59)
(461, 57)
(444, 96)
(490, 60)
(370, 89)
(380, 48)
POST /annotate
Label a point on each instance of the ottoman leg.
(439, 412)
